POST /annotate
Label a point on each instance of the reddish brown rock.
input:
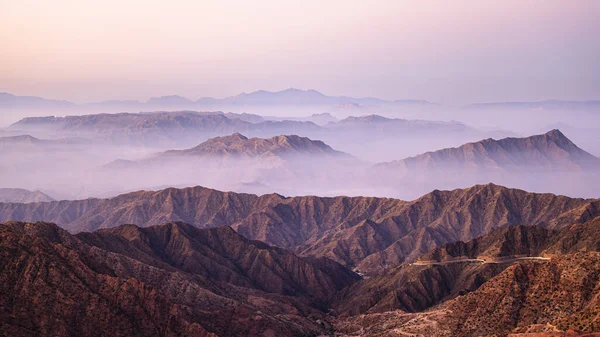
(171, 280)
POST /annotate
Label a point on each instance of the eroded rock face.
(459, 268)
(555, 293)
(504, 242)
(412, 288)
(528, 298)
(563, 292)
(170, 280)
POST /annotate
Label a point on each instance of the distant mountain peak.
(556, 134)
(238, 144)
(170, 99)
(20, 195)
(20, 139)
(365, 118)
(550, 150)
(238, 136)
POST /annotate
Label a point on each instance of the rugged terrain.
(371, 234)
(176, 279)
(503, 295)
(168, 280)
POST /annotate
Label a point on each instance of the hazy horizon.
(449, 53)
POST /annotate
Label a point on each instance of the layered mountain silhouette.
(239, 163)
(185, 127)
(290, 96)
(138, 129)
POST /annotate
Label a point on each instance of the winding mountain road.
(509, 260)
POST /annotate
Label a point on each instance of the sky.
(450, 52)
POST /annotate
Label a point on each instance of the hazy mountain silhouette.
(20, 195)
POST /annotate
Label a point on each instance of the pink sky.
(445, 51)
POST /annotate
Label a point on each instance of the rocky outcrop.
(563, 293)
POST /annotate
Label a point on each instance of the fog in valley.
(104, 154)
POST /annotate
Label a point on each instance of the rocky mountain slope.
(169, 280)
(446, 272)
(563, 293)
(371, 234)
(176, 279)
(504, 242)
(471, 298)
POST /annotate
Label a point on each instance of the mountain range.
(183, 129)
(533, 282)
(528, 162)
(289, 96)
(279, 164)
(369, 234)
(168, 280)
(236, 162)
(175, 279)
(237, 145)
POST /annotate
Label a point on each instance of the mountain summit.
(550, 150)
(240, 145)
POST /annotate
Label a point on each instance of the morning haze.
(299, 168)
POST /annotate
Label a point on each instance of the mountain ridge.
(371, 234)
(168, 280)
(491, 153)
(237, 144)
(286, 96)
